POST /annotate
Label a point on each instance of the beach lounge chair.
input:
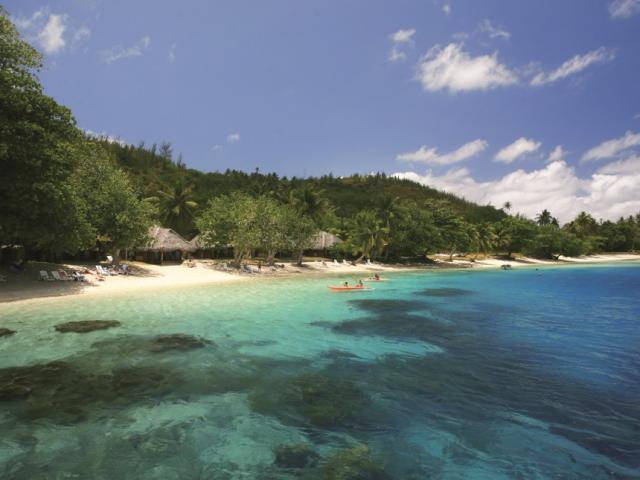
(335, 261)
(102, 271)
(344, 262)
(60, 276)
(78, 277)
(45, 276)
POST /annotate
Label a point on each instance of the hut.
(322, 242)
(164, 244)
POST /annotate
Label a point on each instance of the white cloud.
(118, 52)
(624, 8)
(233, 137)
(403, 36)
(216, 148)
(430, 156)
(636, 116)
(51, 37)
(453, 69)
(493, 31)
(612, 148)
(575, 64)
(521, 146)
(628, 165)
(171, 56)
(399, 40)
(556, 155)
(555, 187)
(446, 8)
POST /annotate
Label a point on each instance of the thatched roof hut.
(165, 243)
(166, 240)
(324, 241)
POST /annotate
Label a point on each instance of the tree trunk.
(115, 253)
(299, 257)
(271, 257)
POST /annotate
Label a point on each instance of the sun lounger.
(79, 277)
(45, 276)
(60, 276)
(102, 271)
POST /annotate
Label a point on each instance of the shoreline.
(155, 277)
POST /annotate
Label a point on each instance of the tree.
(514, 234)
(486, 238)
(177, 205)
(453, 230)
(40, 206)
(367, 235)
(116, 213)
(545, 218)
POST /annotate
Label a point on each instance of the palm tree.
(545, 218)
(369, 235)
(507, 206)
(388, 207)
(310, 203)
(176, 206)
(486, 237)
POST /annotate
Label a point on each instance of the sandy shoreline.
(153, 277)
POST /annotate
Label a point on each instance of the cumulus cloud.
(400, 40)
(51, 37)
(430, 156)
(493, 31)
(574, 65)
(45, 29)
(453, 69)
(233, 137)
(556, 155)
(628, 165)
(555, 187)
(612, 148)
(624, 8)
(119, 52)
(446, 8)
(520, 147)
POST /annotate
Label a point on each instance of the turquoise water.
(526, 374)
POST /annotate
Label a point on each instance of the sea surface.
(523, 374)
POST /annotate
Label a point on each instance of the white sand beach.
(146, 276)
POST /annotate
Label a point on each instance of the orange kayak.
(347, 289)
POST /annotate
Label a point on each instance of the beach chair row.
(61, 276)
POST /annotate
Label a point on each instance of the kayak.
(347, 289)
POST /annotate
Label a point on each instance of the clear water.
(527, 374)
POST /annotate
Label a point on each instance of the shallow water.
(525, 374)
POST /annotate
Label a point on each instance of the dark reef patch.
(177, 341)
(85, 326)
(354, 464)
(389, 306)
(295, 456)
(4, 332)
(445, 292)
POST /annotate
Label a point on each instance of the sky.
(536, 102)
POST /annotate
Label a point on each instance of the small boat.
(374, 279)
(342, 288)
(506, 266)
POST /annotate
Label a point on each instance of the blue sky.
(532, 102)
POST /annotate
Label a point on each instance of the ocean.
(471, 374)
